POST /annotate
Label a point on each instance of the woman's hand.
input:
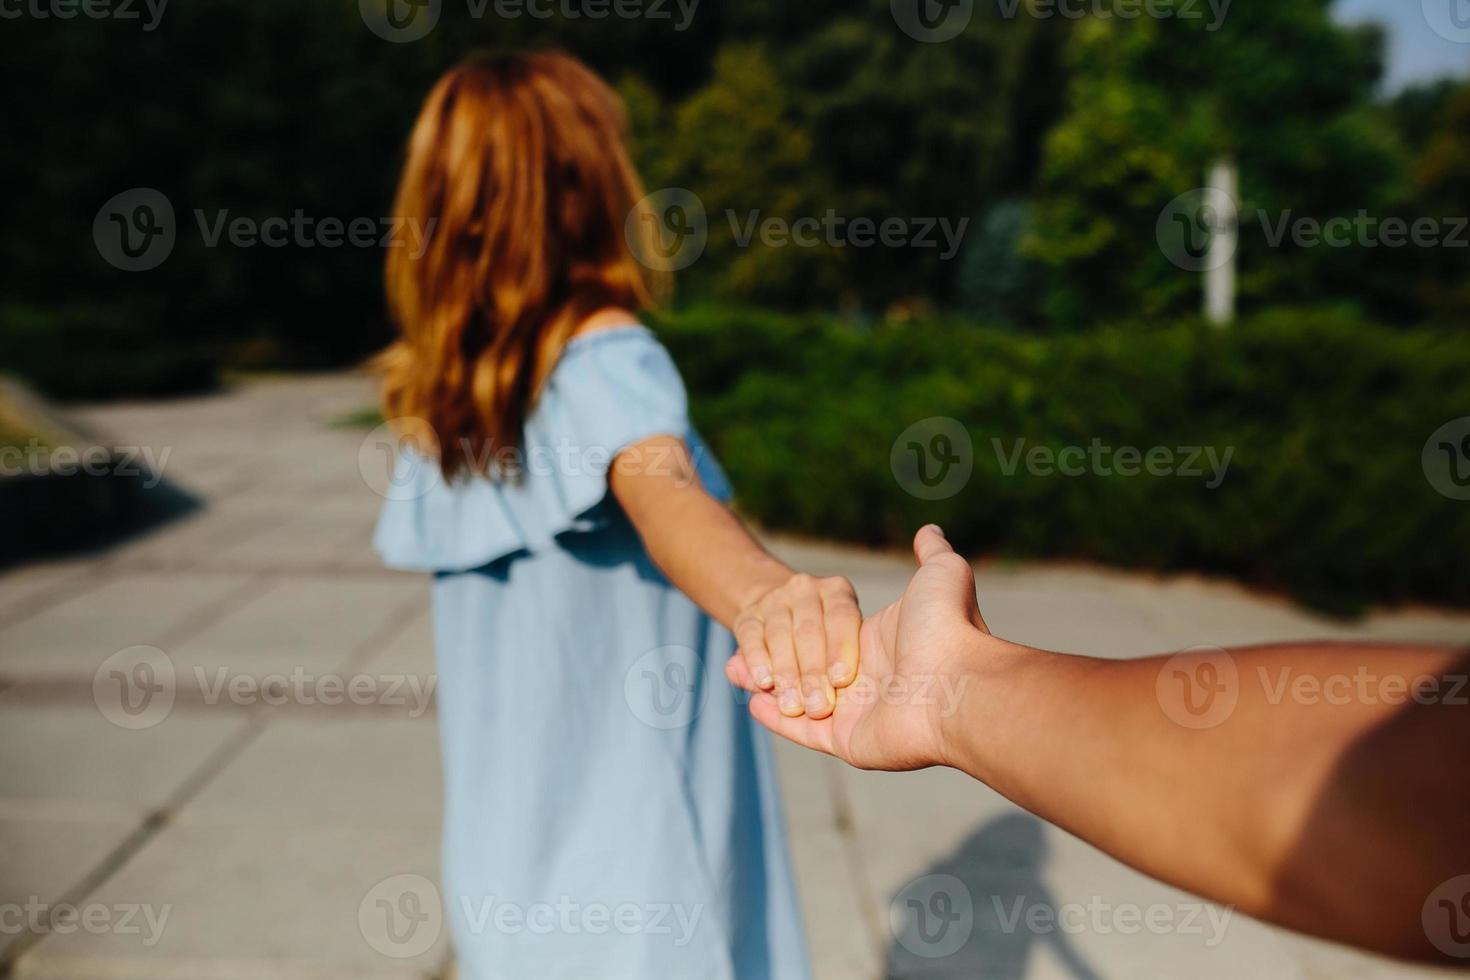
(920, 658)
(799, 641)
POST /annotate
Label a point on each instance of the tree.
(1278, 87)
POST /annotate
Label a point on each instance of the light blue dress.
(611, 808)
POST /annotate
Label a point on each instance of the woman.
(611, 810)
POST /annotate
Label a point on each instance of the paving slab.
(375, 769)
(26, 590)
(286, 854)
(840, 930)
(243, 903)
(197, 537)
(42, 859)
(311, 623)
(71, 640)
(410, 653)
(71, 759)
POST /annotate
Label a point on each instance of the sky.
(1416, 51)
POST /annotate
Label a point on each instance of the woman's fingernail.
(815, 702)
(790, 702)
(839, 671)
(763, 678)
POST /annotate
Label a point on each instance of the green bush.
(1326, 416)
(99, 352)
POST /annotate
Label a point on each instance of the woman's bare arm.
(797, 634)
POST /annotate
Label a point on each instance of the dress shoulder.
(609, 391)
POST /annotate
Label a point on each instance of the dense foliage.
(1056, 140)
(1324, 417)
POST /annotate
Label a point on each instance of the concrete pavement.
(277, 817)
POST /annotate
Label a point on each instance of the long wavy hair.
(518, 166)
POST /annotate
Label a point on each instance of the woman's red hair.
(518, 168)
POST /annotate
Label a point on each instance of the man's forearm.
(1241, 775)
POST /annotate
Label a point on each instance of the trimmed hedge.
(1327, 416)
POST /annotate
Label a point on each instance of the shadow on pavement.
(967, 915)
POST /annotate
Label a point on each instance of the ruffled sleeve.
(610, 391)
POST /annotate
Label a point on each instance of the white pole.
(1224, 238)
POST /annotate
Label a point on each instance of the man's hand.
(917, 656)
